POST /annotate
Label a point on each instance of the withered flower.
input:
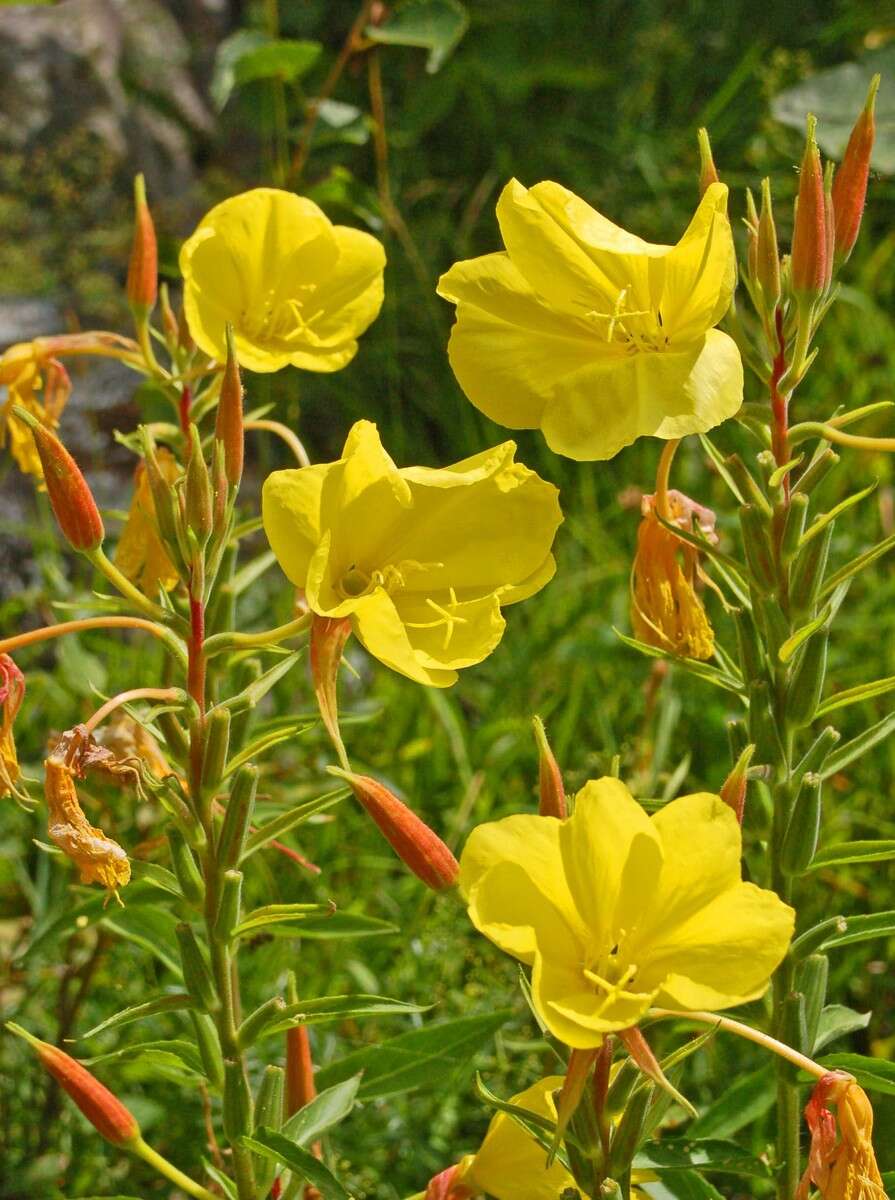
(842, 1168)
(666, 611)
(140, 553)
(99, 858)
(12, 691)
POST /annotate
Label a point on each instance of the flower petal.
(379, 628)
(445, 633)
(290, 508)
(666, 394)
(347, 299)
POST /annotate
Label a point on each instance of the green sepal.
(238, 817)
(209, 1048)
(803, 827)
(196, 974)
(185, 868)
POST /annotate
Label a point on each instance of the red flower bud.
(418, 846)
(809, 239)
(850, 184)
(448, 1185)
(733, 789)
(228, 426)
(103, 1110)
(553, 793)
(142, 271)
(300, 1088)
(328, 638)
(70, 496)
(708, 172)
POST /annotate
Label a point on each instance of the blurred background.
(413, 142)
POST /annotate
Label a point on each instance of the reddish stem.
(780, 403)
(186, 400)
(196, 673)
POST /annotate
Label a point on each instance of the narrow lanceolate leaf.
(864, 691)
(175, 1048)
(422, 1057)
(252, 695)
(541, 1129)
(843, 931)
(326, 1009)
(272, 915)
(824, 520)
(874, 1074)
(263, 743)
(275, 1146)
(853, 852)
(277, 826)
(343, 925)
(325, 1110)
(136, 1012)
(699, 669)
(791, 645)
(710, 1154)
(721, 467)
(858, 746)
(858, 564)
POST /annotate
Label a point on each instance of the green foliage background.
(605, 99)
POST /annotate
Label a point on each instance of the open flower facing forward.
(419, 559)
(615, 910)
(297, 289)
(591, 334)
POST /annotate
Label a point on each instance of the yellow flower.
(99, 858)
(26, 371)
(843, 1167)
(589, 333)
(510, 1164)
(140, 553)
(665, 610)
(12, 692)
(615, 911)
(297, 289)
(420, 559)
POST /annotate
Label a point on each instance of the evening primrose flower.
(666, 610)
(841, 1160)
(40, 384)
(296, 289)
(140, 554)
(589, 333)
(12, 692)
(615, 910)
(99, 858)
(420, 560)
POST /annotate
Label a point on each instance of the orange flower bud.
(418, 846)
(142, 271)
(448, 1185)
(708, 172)
(104, 1111)
(553, 793)
(733, 789)
(70, 496)
(850, 184)
(577, 1072)
(328, 638)
(12, 692)
(300, 1088)
(228, 426)
(809, 239)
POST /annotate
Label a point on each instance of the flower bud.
(104, 1111)
(300, 1087)
(228, 425)
(850, 184)
(237, 1106)
(552, 791)
(418, 847)
(142, 271)
(577, 1072)
(197, 493)
(269, 1115)
(328, 638)
(196, 973)
(733, 789)
(70, 496)
(708, 172)
(809, 239)
(751, 222)
(12, 692)
(829, 225)
(449, 1185)
(238, 816)
(767, 252)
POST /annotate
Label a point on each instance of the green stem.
(106, 567)
(161, 1164)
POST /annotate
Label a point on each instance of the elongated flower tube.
(103, 1110)
(615, 910)
(12, 692)
(420, 560)
(140, 554)
(590, 333)
(296, 289)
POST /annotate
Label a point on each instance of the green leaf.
(791, 645)
(857, 565)
(274, 1146)
(540, 1129)
(688, 1185)
(283, 920)
(843, 931)
(701, 670)
(742, 1102)
(276, 827)
(873, 1074)
(160, 877)
(341, 1008)
(419, 1058)
(858, 746)
(433, 25)
(711, 1154)
(136, 1012)
(150, 928)
(263, 743)
(836, 1020)
(836, 96)
(249, 55)
(864, 691)
(227, 1186)
(252, 695)
(345, 925)
(327, 1108)
(825, 518)
(184, 1052)
(853, 852)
